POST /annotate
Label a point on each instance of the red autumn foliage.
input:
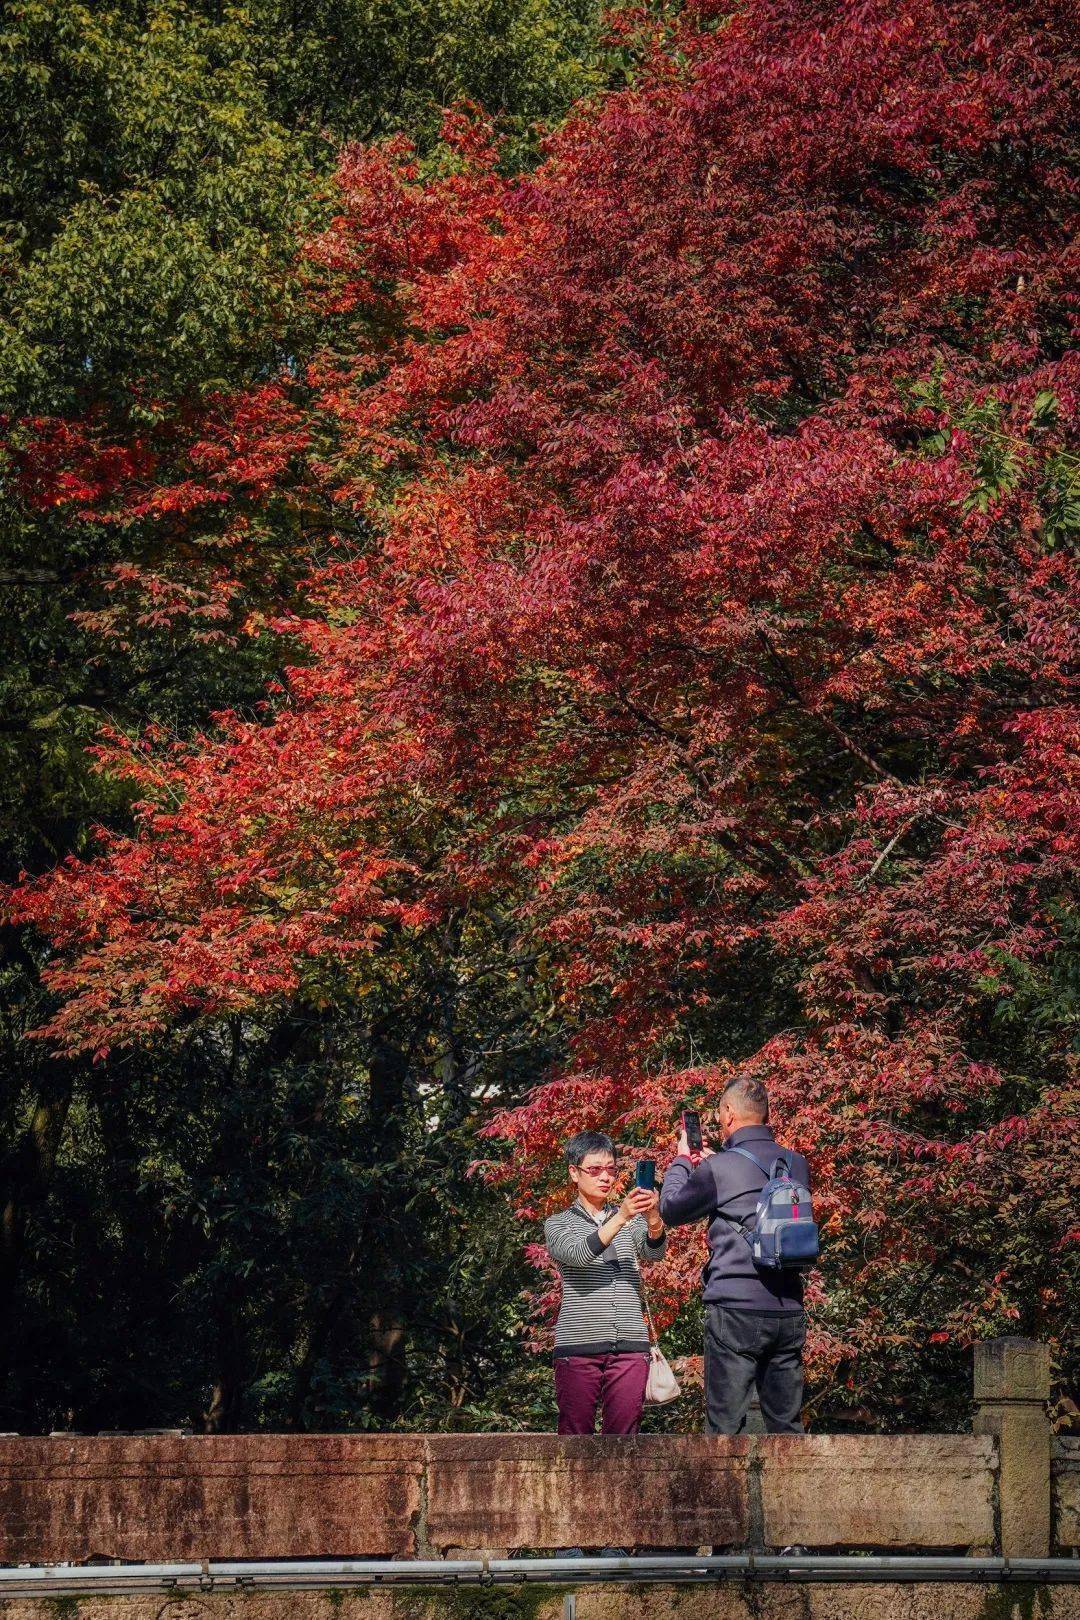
(231, 445)
(188, 498)
(713, 618)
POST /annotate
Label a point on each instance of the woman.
(601, 1341)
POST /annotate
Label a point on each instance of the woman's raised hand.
(639, 1201)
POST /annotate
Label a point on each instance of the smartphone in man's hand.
(691, 1124)
(645, 1174)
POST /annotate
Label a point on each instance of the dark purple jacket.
(726, 1182)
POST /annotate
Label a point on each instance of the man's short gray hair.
(748, 1098)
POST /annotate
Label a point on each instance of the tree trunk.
(227, 1392)
(386, 1323)
(26, 1172)
(386, 1361)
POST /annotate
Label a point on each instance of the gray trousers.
(744, 1349)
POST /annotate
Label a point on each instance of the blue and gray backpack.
(784, 1236)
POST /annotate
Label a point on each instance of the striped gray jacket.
(601, 1288)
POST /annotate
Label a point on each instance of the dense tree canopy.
(159, 166)
(682, 677)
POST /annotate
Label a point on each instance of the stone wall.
(159, 1499)
(1065, 1473)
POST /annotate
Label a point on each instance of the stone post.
(1012, 1387)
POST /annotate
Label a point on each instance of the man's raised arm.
(688, 1193)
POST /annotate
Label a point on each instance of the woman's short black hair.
(586, 1142)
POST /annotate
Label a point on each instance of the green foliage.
(471, 1603)
(160, 160)
(367, 69)
(151, 209)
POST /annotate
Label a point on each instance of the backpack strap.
(783, 1159)
(743, 1230)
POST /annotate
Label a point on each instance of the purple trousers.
(614, 1383)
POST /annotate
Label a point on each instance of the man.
(601, 1341)
(754, 1323)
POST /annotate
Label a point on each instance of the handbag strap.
(653, 1337)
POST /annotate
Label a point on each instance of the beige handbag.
(661, 1385)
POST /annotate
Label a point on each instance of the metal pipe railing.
(62, 1580)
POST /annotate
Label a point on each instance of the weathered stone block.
(497, 1492)
(1012, 1369)
(228, 1496)
(1065, 1476)
(1012, 1386)
(878, 1491)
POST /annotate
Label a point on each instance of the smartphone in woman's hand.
(645, 1174)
